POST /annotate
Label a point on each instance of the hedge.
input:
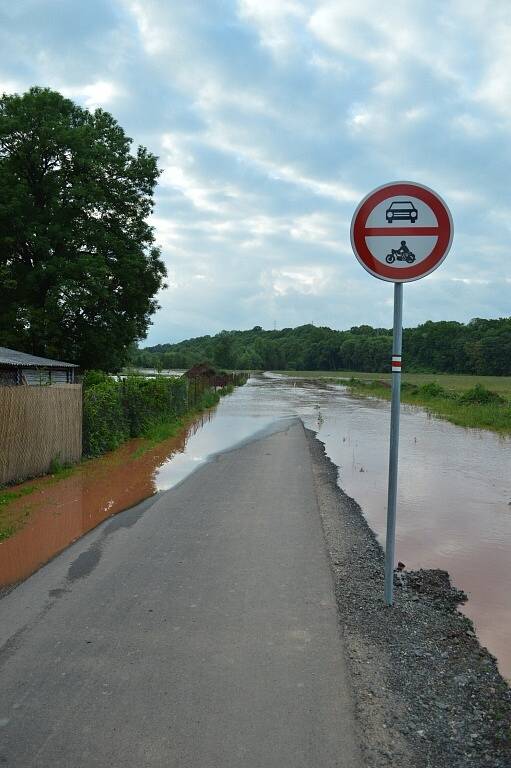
(114, 411)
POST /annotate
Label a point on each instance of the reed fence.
(38, 425)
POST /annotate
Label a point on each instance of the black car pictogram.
(401, 210)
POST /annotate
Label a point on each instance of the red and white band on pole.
(396, 363)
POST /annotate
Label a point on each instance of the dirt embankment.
(427, 694)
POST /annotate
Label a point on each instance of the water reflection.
(59, 512)
(454, 492)
(453, 507)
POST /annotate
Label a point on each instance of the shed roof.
(20, 359)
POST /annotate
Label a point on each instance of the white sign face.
(401, 232)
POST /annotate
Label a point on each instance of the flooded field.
(455, 488)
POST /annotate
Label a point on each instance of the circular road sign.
(401, 231)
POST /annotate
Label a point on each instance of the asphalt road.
(197, 630)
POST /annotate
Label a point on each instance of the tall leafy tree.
(78, 266)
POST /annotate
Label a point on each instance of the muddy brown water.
(61, 510)
(454, 488)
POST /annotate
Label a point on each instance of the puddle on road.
(59, 511)
(453, 509)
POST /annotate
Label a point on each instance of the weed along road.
(198, 629)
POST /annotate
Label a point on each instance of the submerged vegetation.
(9, 525)
(476, 407)
(458, 382)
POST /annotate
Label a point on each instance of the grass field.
(455, 382)
(481, 402)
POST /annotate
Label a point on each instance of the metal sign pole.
(374, 239)
(394, 442)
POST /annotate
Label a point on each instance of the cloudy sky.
(272, 118)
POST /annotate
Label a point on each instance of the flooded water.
(453, 508)
(454, 484)
(59, 511)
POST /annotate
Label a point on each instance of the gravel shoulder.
(427, 694)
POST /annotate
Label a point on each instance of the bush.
(479, 395)
(209, 399)
(104, 423)
(91, 378)
(114, 411)
(432, 390)
(148, 401)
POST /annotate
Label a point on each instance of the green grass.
(59, 471)
(7, 496)
(456, 382)
(443, 394)
(8, 525)
(477, 407)
(157, 433)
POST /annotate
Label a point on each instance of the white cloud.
(470, 125)
(273, 20)
(213, 97)
(317, 228)
(154, 36)
(271, 120)
(285, 172)
(366, 29)
(181, 173)
(470, 280)
(101, 93)
(10, 86)
(301, 280)
(328, 64)
(417, 113)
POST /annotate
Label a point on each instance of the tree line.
(481, 347)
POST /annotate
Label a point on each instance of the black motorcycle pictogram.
(400, 254)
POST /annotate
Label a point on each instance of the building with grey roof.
(20, 368)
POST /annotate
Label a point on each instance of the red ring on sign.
(427, 265)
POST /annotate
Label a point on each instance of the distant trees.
(223, 350)
(78, 265)
(478, 347)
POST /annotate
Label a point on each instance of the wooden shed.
(17, 368)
